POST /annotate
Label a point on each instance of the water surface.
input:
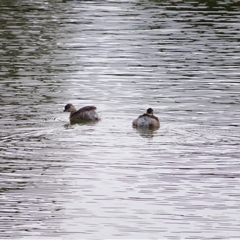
(108, 180)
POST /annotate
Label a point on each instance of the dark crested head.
(67, 107)
(150, 111)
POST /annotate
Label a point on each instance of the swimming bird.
(147, 120)
(87, 113)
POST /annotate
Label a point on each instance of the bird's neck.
(73, 110)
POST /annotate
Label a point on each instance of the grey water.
(108, 180)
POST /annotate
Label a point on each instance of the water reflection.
(212, 7)
(79, 123)
(146, 132)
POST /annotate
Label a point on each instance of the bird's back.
(146, 121)
(86, 113)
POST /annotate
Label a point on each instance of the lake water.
(108, 180)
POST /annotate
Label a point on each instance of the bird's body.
(87, 113)
(147, 120)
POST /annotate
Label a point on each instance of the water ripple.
(108, 180)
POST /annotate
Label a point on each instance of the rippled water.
(108, 180)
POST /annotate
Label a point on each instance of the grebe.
(147, 120)
(87, 113)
